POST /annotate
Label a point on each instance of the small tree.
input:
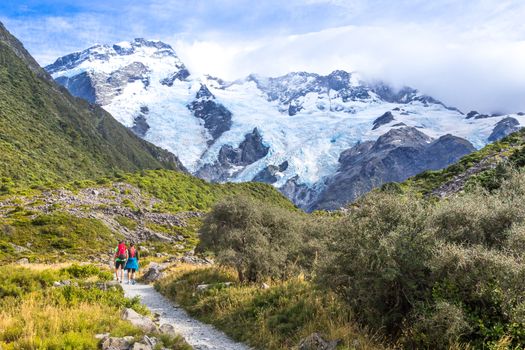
(258, 240)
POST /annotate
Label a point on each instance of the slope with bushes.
(420, 273)
(81, 220)
(486, 167)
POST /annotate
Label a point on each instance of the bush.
(260, 241)
(379, 260)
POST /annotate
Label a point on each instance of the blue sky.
(470, 54)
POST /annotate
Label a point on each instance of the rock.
(386, 118)
(393, 157)
(217, 118)
(503, 128)
(141, 346)
(102, 336)
(140, 321)
(57, 284)
(19, 249)
(264, 286)
(112, 343)
(168, 329)
(23, 261)
(154, 272)
(203, 287)
(315, 342)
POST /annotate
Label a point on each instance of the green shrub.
(259, 240)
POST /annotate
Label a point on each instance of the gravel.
(199, 335)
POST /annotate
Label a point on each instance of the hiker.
(132, 265)
(121, 256)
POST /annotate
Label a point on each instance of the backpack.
(132, 252)
(121, 252)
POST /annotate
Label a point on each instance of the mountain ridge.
(305, 119)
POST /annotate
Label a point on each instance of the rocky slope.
(304, 121)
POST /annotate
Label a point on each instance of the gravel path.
(199, 335)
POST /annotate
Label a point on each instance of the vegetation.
(52, 237)
(36, 315)
(509, 151)
(425, 274)
(274, 318)
(182, 192)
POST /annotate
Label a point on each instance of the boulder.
(112, 343)
(23, 261)
(147, 343)
(168, 329)
(154, 272)
(315, 342)
(138, 320)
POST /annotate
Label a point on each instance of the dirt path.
(199, 335)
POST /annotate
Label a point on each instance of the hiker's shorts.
(119, 264)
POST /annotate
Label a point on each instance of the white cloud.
(470, 54)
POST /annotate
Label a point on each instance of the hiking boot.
(133, 282)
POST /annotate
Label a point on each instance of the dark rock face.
(101, 88)
(386, 118)
(217, 118)
(80, 85)
(395, 156)
(181, 74)
(250, 150)
(140, 125)
(299, 193)
(503, 128)
(269, 174)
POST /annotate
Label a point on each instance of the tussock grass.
(35, 315)
(274, 318)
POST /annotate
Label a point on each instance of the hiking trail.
(199, 335)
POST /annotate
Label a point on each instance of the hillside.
(48, 135)
(487, 167)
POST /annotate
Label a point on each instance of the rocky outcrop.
(395, 156)
(503, 128)
(231, 160)
(80, 85)
(181, 74)
(386, 118)
(269, 174)
(299, 193)
(140, 124)
(249, 151)
(217, 118)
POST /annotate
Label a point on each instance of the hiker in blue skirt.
(132, 265)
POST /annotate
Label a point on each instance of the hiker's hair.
(122, 242)
(131, 244)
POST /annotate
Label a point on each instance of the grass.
(274, 318)
(53, 237)
(35, 315)
(182, 192)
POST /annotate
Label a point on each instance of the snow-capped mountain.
(294, 131)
